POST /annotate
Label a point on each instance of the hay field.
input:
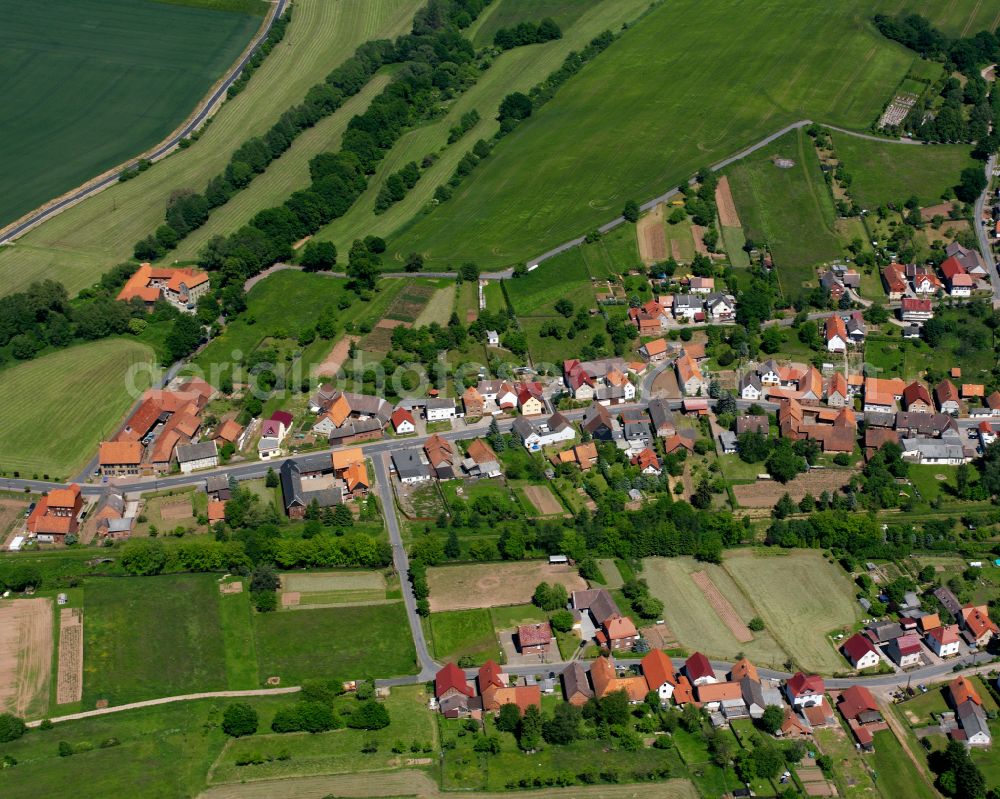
(641, 103)
(801, 598)
(485, 585)
(691, 618)
(25, 656)
(82, 242)
(87, 381)
(98, 82)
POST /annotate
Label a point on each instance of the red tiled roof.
(658, 669)
(698, 666)
(856, 700)
(113, 453)
(539, 634)
(489, 674)
(962, 690)
(451, 676)
(801, 684)
(857, 646)
(401, 415)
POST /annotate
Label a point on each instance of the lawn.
(82, 242)
(92, 379)
(648, 127)
(509, 616)
(147, 637)
(564, 277)
(919, 710)
(693, 621)
(801, 597)
(789, 209)
(457, 633)
(884, 172)
(896, 773)
(116, 76)
(348, 643)
(242, 671)
(515, 70)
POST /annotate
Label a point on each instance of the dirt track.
(332, 363)
(723, 609)
(652, 238)
(724, 202)
(25, 654)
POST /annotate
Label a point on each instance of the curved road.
(207, 106)
(985, 246)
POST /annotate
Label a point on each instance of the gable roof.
(489, 675)
(657, 669)
(857, 646)
(697, 665)
(719, 692)
(64, 497)
(856, 700)
(342, 458)
(401, 415)
(537, 634)
(962, 690)
(804, 684)
(916, 392)
(575, 680)
(481, 452)
(744, 668)
(451, 676)
(120, 452)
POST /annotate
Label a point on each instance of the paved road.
(383, 482)
(985, 246)
(166, 700)
(206, 109)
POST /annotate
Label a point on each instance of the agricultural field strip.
(25, 654)
(70, 674)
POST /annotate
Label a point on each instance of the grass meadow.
(897, 776)
(649, 126)
(789, 209)
(150, 637)
(115, 77)
(457, 633)
(515, 70)
(884, 173)
(347, 643)
(82, 242)
(87, 380)
(507, 13)
(235, 611)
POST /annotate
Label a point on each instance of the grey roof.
(598, 601)
(728, 439)
(972, 718)
(715, 298)
(114, 501)
(933, 424)
(601, 366)
(596, 417)
(524, 427)
(367, 405)
(353, 427)
(933, 449)
(291, 484)
(637, 430)
(687, 301)
(123, 525)
(755, 423)
(457, 701)
(610, 392)
(886, 631)
(948, 599)
(753, 692)
(195, 452)
(575, 680)
(557, 422)
(750, 379)
(410, 463)
(217, 482)
(660, 413)
(880, 419)
(440, 403)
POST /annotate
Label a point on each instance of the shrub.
(369, 716)
(239, 719)
(11, 727)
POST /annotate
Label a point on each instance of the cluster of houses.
(701, 303)
(966, 721)
(494, 397)
(180, 287)
(323, 481)
(437, 459)
(163, 431)
(603, 381)
(960, 274)
(906, 642)
(56, 515)
(346, 418)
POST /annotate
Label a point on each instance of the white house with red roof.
(943, 641)
(699, 670)
(861, 652)
(805, 690)
(402, 421)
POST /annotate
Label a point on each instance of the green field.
(897, 775)
(789, 209)
(238, 640)
(884, 172)
(89, 379)
(515, 70)
(349, 643)
(648, 124)
(82, 242)
(456, 633)
(114, 76)
(507, 13)
(130, 653)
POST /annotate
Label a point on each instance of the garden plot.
(491, 584)
(332, 588)
(765, 493)
(544, 500)
(69, 686)
(652, 237)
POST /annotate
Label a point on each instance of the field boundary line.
(166, 700)
(206, 107)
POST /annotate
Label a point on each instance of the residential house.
(861, 712)
(582, 455)
(987, 433)
(617, 633)
(948, 601)
(217, 486)
(180, 287)
(535, 434)
(915, 310)
(804, 690)
(56, 514)
(606, 681)
(894, 280)
(930, 425)
(836, 334)
(533, 638)
(860, 652)
(662, 417)
(960, 283)
(597, 603)
(835, 430)
(720, 307)
(647, 461)
(689, 377)
(701, 285)
(725, 697)
(481, 460)
(441, 457)
(356, 431)
(530, 400)
(229, 432)
(973, 728)
(977, 625)
(882, 394)
(492, 338)
(598, 422)
(658, 670)
(191, 457)
(924, 280)
(411, 466)
(947, 397)
(837, 392)
(576, 685)
(794, 725)
(654, 351)
(452, 691)
(297, 498)
(753, 424)
(830, 281)
(905, 650)
(856, 328)
(917, 399)
(970, 260)
(120, 458)
(403, 422)
(637, 433)
(687, 307)
(473, 402)
(683, 440)
(440, 409)
(698, 670)
(944, 641)
(750, 387)
(728, 443)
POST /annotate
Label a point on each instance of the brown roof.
(481, 452)
(229, 430)
(120, 452)
(538, 634)
(946, 391)
(744, 668)
(718, 691)
(523, 696)
(856, 700)
(216, 511)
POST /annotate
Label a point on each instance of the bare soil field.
(698, 232)
(724, 201)
(651, 237)
(175, 511)
(665, 385)
(338, 354)
(931, 211)
(235, 587)
(69, 682)
(489, 585)
(543, 500)
(722, 608)
(765, 493)
(25, 655)
(418, 784)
